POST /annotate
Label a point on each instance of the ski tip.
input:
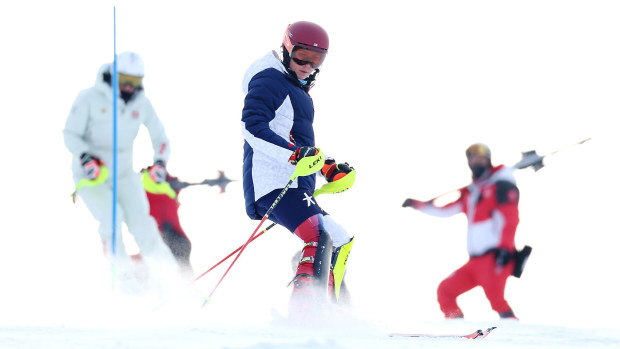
(478, 334)
(483, 334)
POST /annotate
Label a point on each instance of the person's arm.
(448, 210)
(429, 207)
(157, 132)
(264, 99)
(76, 125)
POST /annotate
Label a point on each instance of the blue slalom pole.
(114, 144)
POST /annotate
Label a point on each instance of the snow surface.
(507, 335)
(114, 320)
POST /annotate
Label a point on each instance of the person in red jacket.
(164, 208)
(490, 203)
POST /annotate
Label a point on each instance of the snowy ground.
(122, 322)
(507, 335)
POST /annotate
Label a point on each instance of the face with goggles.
(478, 159)
(129, 83)
(304, 62)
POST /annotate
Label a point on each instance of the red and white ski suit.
(491, 206)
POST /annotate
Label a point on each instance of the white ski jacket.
(89, 127)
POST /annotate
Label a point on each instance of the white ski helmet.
(130, 63)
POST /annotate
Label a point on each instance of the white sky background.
(407, 86)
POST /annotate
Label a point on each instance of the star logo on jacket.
(135, 114)
(308, 199)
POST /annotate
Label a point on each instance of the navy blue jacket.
(276, 119)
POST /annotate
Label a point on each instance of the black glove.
(301, 153)
(91, 165)
(157, 172)
(417, 204)
(502, 257)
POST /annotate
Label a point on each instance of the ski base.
(479, 334)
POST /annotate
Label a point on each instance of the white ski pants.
(132, 208)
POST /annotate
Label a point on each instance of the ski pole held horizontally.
(528, 159)
(305, 166)
(531, 159)
(221, 181)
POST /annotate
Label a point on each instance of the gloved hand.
(301, 153)
(157, 172)
(91, 165)
(333, 172)
(417, 204)
(502, 257)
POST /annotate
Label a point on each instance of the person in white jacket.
(88, 134)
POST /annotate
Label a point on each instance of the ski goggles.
(134, 81)
(302, 57)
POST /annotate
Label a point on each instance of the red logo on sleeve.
(513, 195)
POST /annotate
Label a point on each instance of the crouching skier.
(277, 127)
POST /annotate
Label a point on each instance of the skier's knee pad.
(323, 259)
(315, 258)
(339, 264)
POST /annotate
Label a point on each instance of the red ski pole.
(276, 201)
(233, 252)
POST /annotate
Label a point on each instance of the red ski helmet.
(307, 35)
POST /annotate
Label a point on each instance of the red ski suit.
(491, 206)
(165, 211)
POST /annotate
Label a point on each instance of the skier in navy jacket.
(277, 127)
